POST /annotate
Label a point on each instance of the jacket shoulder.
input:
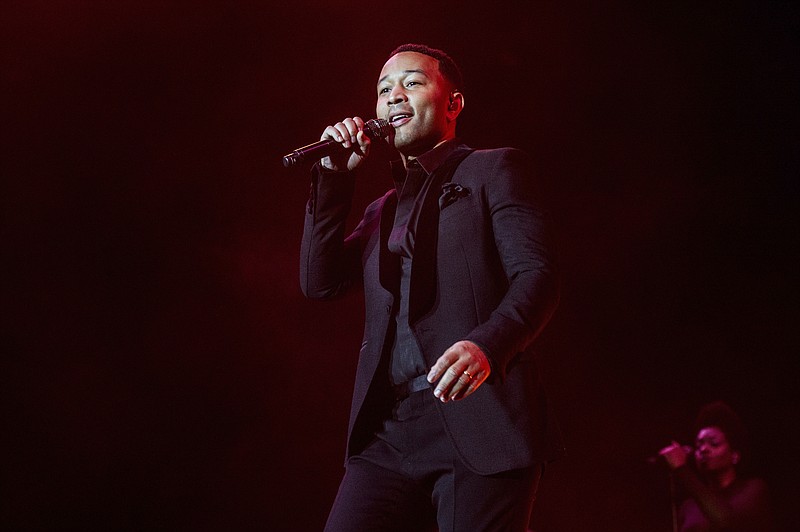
(490, 153)
(496, 161)
(495, 156)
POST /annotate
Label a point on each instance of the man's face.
(415, 98)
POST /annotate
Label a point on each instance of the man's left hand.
(460, 371)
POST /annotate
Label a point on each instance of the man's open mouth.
(399, 119)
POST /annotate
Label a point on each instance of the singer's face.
(712, 450)
(414, 97)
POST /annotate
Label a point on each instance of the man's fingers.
(345, 131)
(445, 361)
(350, 134)
(461, 386)
(458, 383)
(459, 371)
(363, 142)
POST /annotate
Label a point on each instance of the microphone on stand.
(377, 128)
(656, 458)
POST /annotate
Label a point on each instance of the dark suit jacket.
(487, 275)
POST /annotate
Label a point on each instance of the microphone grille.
(377, 128)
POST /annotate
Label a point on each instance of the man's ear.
(735, 458)
(456, 104)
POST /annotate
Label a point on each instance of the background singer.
(718, 496)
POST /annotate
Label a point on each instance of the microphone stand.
(673, 501)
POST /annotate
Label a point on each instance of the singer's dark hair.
(719, 414)
(447, 66)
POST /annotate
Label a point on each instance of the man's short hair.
(447, 66)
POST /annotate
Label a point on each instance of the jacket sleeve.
(525, 246)
(329, 263)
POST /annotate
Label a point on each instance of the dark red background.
(161, 369)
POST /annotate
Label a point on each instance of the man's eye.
(383, 90)
(410, 83)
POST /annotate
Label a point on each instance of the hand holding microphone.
(675, 454)
(343, 145)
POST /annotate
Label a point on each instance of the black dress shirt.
(413, 185)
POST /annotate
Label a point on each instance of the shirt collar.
(429, 161)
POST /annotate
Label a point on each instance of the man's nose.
(397, 95)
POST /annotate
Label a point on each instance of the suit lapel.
(389, 263)
(424, 268)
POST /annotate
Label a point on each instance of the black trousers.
(409, 478)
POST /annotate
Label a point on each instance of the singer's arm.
(743, 510)
(329, 264)
(521, 240)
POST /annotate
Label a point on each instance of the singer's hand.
(460, 370)
(350, 133)
(675, 455)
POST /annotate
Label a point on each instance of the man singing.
(449, 426)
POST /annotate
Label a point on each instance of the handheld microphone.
(377, 128)
(657, 458)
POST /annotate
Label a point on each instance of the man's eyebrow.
(412, 71)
